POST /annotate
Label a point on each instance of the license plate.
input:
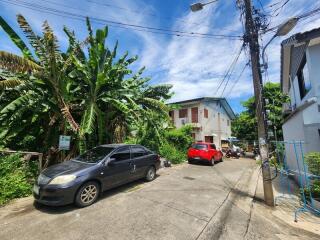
(197, 158)
(36, 189)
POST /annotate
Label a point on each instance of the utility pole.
(251, 37)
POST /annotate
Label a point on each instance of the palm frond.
(19, 103)
(16, 39)
(9, 83)
(68, 116)
(34, 40)
(17, 64)
(88, 119)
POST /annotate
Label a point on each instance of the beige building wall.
(217, 125)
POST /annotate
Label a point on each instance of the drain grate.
(189, 178)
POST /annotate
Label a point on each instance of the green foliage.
(244, 127)
(170, 152)
(95, 97)
(313, 162)
(180, 138)
(17, 177)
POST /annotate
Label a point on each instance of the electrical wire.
(302, 16)
(279, 9)
(229, 71)
(237, 80)
(139, 12)
(135, 27)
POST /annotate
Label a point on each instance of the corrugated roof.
(223, 101)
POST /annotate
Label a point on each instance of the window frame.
(185, 111)
(205, 113)
(145, 152)
(121, 149)
(195, 115)
(303, 91)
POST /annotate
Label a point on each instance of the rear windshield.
(95, 155)
(200, 146)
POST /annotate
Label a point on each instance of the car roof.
(116, 145)
(202, 143)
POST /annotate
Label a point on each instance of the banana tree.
(47, 65)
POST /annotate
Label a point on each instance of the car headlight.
(63, 179)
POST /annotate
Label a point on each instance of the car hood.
(68, 167)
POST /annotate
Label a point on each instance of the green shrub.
(313, 162)
(181, 138)
(16, 177)
(171, 153)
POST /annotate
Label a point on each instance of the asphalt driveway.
(177, 205)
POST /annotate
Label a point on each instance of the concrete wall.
(305, 125)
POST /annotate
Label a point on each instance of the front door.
(120, 170)
(141, 160)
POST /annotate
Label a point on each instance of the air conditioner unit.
(184, 121)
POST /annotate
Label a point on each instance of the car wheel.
(87, 194)
(189, 161)
(151, 174)
(212, 161)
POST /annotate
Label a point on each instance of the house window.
(183, 113)
(206, 113)
(228, 122)
(194, 115)
(303, 78)
(171, 114)
(193, 136)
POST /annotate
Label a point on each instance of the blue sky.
(193, 65)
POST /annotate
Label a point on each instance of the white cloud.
(193, 65)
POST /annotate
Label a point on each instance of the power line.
(237, 80)
(230, 70)
(135, 27)
(303, 16)
(280, 8)
(139, 12)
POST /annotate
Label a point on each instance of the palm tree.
(55, 90)
(48, 65)
(112, 101)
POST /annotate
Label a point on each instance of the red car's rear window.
(200, 146)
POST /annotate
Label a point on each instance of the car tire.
(212, 161)
(189, 161)
(151, 174)
(87, 194)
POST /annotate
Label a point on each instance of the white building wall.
(208, 126)
(305, 125)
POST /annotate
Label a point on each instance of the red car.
(205, 152)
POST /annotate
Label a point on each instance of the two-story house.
(211, 118)
(300, 79)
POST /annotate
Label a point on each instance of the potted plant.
(313, 162)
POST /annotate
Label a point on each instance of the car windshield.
(94, 155)
(200, 146)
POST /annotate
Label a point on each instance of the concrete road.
(184, 202)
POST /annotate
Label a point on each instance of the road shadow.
(128, 187)
(203, 163)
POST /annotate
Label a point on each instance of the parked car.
(83, 178)
(204, 152)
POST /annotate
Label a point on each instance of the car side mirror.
(111, 161)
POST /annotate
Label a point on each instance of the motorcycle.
(232, 153)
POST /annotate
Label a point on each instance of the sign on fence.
(64, 142)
